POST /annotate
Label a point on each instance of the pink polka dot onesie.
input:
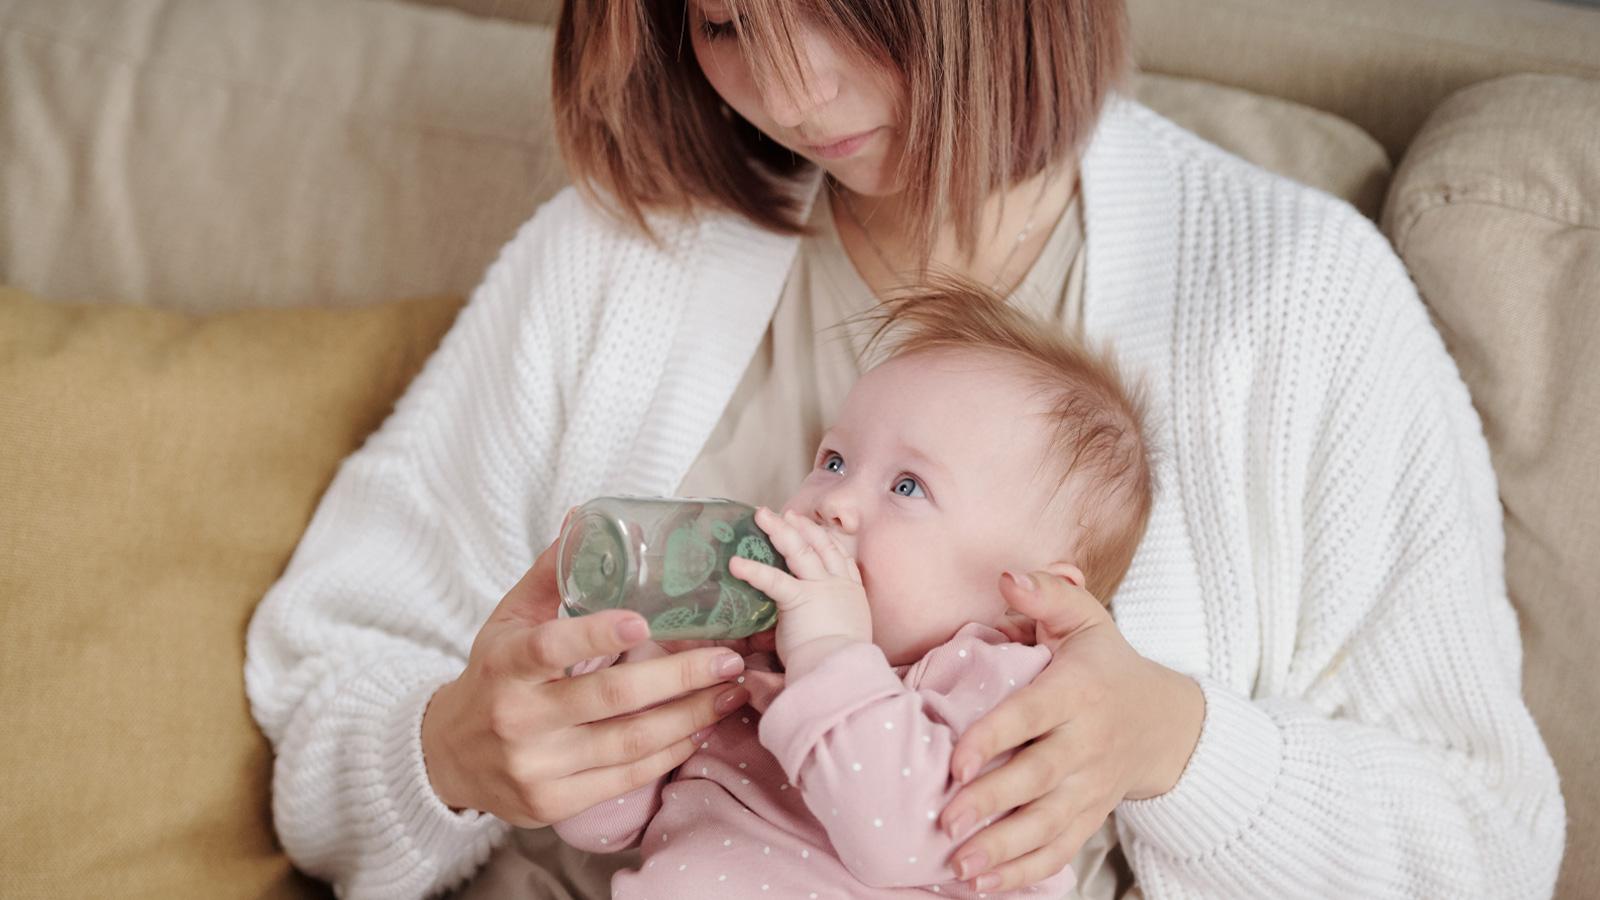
(834, 791)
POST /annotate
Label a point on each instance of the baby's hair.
(1099, 442)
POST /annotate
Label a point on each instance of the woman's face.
(845, 120)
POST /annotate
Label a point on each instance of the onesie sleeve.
(870, 750)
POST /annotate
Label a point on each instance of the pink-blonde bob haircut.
(995, 91)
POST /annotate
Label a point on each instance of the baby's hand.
(822, 605)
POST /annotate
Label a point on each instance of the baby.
(985, 443)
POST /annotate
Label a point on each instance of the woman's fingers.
(1060, 607)
(1021, 717)
(1017, 627)
(1034, 772)
(1047, 859)
(1023, 832)
(631, 738)
(566, 797)
(1028, 827)
(543, 652)
(1034, 867)
(620, 690)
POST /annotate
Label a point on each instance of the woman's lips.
(842, 147)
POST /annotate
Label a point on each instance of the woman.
(1311, 683)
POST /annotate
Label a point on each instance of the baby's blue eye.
(834, 463)
(908, 487)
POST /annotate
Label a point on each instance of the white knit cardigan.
(1325, 554)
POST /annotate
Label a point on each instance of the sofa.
(231, 231)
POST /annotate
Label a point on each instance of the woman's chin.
(861, 179)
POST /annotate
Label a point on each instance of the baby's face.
(932, 478)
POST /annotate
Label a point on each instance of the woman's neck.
(877, 233)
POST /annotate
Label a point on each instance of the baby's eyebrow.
(923, 460)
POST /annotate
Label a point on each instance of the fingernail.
(729, 665)
(961, 825)
(965, 769)
(972, 864)
(1023, 581)
(632, 630)
(701, 735)
(987, 881)
(728, 701)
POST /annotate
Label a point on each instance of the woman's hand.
(1105, 724)
(822, 605)
(515, 737)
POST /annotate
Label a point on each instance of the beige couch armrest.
(1496, 212)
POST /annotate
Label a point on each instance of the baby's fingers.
(797, 551)
(824, 546)
(775, 583)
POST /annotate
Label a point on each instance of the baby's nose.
(836, 513)
(844, 536)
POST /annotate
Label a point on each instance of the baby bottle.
(667, 559)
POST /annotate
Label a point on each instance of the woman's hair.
(994, 93)
(1099, 448)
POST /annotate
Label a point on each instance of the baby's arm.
(615, 824)
(870, 753)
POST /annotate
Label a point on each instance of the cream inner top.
(806, 362)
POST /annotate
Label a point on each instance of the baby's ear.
(1066, 570)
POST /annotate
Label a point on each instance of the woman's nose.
(791, 108)
(790, 105)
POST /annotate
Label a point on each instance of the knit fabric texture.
(1324, 555)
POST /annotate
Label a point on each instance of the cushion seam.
(1438, 198)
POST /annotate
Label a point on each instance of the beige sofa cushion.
(158, 470)
(1308, 145)
(206, 154)
(218, 154)
(1382, 64)
(544, 12)
(1496, 211)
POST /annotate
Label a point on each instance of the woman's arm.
(870, 753)
(381, 613)
(1395, 756)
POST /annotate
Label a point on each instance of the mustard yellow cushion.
(156, 472)
(1496, 212)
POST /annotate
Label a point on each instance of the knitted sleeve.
(1385, 750)
(417, 538)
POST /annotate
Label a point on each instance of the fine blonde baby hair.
(1099, 444)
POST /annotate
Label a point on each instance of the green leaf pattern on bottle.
(679, 621)
(710, 601)
(689, 561)
(758, 548)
